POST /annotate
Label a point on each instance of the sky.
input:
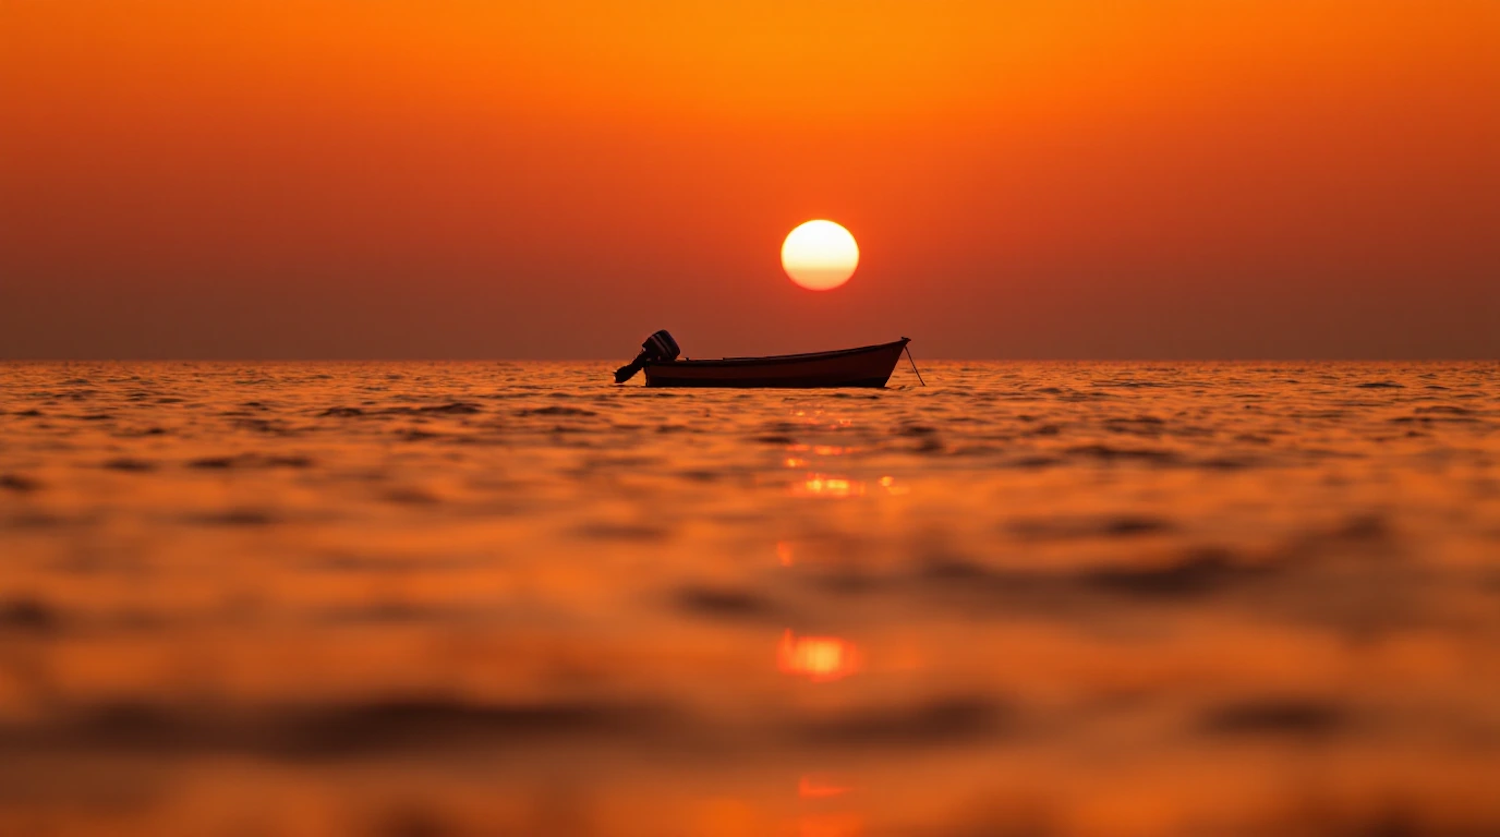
(1170, 179)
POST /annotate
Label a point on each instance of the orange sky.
(392, 178)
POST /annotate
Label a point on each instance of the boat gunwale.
(778, 359)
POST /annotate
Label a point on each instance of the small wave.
(19, 483)
(1194, 575)
(28, 615)
(622, 532)
(1262, 717)
(557, 411)
(951, 720)
(129, 464)
(232, 517)
(1123, 526)
(723, 603)
(249, 460)
(1110, 454)
(456, 408)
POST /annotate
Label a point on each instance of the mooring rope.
(914, 365)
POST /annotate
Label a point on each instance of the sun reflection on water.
(823, 450)
(826, 485)
(819, 658)
(839, 487)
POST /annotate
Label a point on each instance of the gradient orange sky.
(392, 178)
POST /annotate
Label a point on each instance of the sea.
(491, 598)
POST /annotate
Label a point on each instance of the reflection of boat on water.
(864, 366)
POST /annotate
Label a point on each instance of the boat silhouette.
(862, 366)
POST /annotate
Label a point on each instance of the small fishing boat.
(865, 366)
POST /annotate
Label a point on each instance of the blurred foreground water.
(412, 600)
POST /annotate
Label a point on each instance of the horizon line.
(1019, 359)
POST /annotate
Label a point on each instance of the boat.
(863, 366)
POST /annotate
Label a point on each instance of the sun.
(819, 255)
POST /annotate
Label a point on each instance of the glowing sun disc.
(819, 255)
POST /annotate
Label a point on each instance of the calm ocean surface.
(430, 599)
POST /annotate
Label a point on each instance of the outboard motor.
(658, 348)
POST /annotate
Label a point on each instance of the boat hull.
(866, 366)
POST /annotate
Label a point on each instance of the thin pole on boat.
(913, 365)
